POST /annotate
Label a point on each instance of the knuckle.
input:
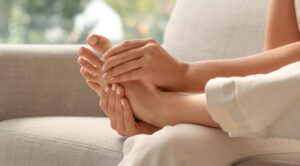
(150, 47)
(125, 43)
(151, 40)
(100, 104)
(81, 70)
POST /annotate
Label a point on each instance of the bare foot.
(135, 90)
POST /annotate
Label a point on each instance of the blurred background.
(71, 21)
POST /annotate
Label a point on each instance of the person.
(146, 82)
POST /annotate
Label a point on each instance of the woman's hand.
(143, 59)
(119, 111)
(90, 63)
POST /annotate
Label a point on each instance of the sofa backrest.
(216, 29)
(43, 80)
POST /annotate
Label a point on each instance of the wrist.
(181, 79)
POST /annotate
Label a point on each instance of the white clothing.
(194, 145)
(265, 105)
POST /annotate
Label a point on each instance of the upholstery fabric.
(59, 141)
(39, 80)
(216, 29)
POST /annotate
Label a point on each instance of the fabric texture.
(59, 141)
(265, 105)
(195, 145)
(216, 29)
(39, 80)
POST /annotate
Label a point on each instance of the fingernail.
(104, 75)
(118, 90)
(106, 89)
(92, 40)
(81, 50)
(122, 102)
(113, 87)
(103, 67)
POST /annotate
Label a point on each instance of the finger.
(119, 111)
(126, 45)
(123, 68)
(88, 76)
(87, 65)
(104, 94)
(129, 76)
(123, 57)
(99, 43)
(95, 86)
(130, 123)
(111, 108)
(87, 53)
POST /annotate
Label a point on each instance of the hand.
(143, 59)
(119, 111)
(90, 62)
(90, 71)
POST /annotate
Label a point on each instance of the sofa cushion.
(279, 159)
(216, 29)
(59, 141)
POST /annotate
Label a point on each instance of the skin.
(153, 104)
(281, 27)
(90, 70)
(146, 60)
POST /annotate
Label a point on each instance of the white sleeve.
(265, 105)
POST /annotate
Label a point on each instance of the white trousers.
(194, 145)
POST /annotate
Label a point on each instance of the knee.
(160, 148)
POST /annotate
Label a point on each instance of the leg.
(195, 145)
(91, 71)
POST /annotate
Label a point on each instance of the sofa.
(49, 116)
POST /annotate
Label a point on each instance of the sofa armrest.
(43, 80)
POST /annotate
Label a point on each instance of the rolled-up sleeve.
(264, 105)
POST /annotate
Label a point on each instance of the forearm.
(198, 74)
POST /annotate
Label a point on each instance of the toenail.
(92, 40)
(113, 88)
(122, 102)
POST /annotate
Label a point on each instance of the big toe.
(99, 43)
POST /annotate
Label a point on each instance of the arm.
(281, 28)
(199, 73)
(264, 105)
(148, 61)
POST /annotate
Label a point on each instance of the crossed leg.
(194, 145)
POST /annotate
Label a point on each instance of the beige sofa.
(49, 117)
